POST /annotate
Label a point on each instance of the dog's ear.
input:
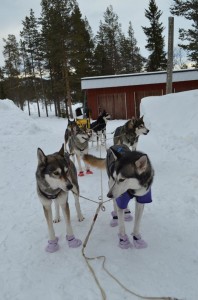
(131, 123)
(61, 151)
(41, 156)
(116, 154)
(141, 164)
(141, 118)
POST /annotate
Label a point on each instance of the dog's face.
(71, 126)
(140, 127)
(133, 171)
(53, 169)
(82, 134)
(105, 116)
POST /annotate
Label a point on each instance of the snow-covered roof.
(136, 79)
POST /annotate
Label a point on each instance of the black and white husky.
(130, 175)
(129, 133)
(56, 176)
(99, 127)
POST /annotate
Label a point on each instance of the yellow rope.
(88, 258)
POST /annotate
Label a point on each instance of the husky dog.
(71, 126)
(99, 126)
(130, 175)
(78, 143)
(55, 176)
(129, 133)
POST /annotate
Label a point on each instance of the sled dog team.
(129, 171)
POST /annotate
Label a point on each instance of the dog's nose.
(109, 195)
(69, 186)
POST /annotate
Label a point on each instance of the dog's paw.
(80, 218)
(139, 243)
(57, 220)
(124, 242)
(88, 172)
(81, 173)
(73, 242)
(127, 215)
(114, 221)
(52, 246)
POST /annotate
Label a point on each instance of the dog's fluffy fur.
(129, 133)
(56, 176)
(127, 170)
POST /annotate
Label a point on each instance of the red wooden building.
(120, 95)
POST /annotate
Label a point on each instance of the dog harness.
(50, 196)
(123, 200)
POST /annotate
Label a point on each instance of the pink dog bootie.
(124, 242)
(72, 241)
(88, 172)
(81, 173)
(114, 221)
(127, 215)
(52, 246)
(138, 242)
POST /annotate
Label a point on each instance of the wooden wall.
(123, 102)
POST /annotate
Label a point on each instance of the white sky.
(13, 12)
(168, 267)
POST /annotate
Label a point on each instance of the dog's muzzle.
(146, 132)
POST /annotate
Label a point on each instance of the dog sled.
(82, 122)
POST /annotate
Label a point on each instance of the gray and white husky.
(55, 176)
(78, 144)
(129, 133)
(130, 175)
(71, 128)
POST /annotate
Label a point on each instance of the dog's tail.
(94, 161)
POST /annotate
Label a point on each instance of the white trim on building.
(136, 79)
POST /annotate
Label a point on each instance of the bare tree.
(179, 59)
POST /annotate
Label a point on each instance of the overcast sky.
(12, 12)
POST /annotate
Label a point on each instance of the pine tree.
(30, 38)
(12, 68)
(107, 52)
(132, 60)
(81, 51)
(155, 41)
(68, 49)
(189, 10)
(56, 26)
(2, 85)
(12, 56)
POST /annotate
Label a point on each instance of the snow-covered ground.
(168, 267)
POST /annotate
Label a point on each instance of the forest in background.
(58, 48)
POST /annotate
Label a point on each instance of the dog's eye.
(121, 179)
(56, 173)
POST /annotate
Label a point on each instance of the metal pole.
(170, 56)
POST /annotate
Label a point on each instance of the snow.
(168, 267)
(136, 79)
